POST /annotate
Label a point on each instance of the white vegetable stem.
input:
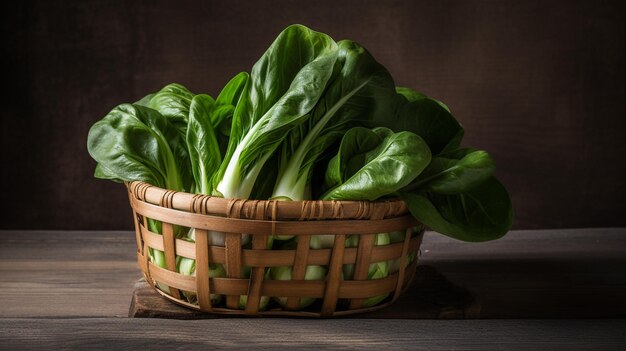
(234, 184)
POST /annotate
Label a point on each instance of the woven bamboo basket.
(259, 219)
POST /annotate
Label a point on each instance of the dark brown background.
(540, 84)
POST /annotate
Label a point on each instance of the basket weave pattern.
(259, 219)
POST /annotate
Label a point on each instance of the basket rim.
(275, 209)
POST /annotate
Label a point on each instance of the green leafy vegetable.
(362, 91)
(314, 119)
(285, 84)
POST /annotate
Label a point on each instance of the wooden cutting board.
(431, 296)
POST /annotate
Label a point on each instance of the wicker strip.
(333, 279)
(202, 270)
(144, 263)
(363, 259)
(255, 286)
(299, 267)
(136, 220)
(138, 232)
(233, 264)
(403, 258)
(276, 258)
(170, 252)
(364, 254)
(279, 227)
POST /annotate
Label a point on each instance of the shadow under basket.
(246, 226)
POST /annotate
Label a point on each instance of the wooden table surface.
(72, 289)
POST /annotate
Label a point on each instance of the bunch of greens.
(314, 119)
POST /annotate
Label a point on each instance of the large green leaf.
(454, 175)
(232, 91)
(102, 172)
(381, 171)
(426, 117)
(173, 102)
(225, 104)
(285, 84)
(480, 214)
(202, 143)
(412, 95)
(354, 146)
(144, 101)
(131, 144)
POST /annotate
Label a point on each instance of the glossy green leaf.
(144, 101)
(354, 146)
(131, 144)
(202, 143)
(225, 104)
(480, 214)
(392, 165)
(451, 176)
(426, 117)
(410, 94)
(102, 172)
(173, 102)
(232, 91)
(382, 132)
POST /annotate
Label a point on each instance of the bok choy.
(313, 119)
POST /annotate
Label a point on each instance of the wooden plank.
(539, 273)
(289, 334)
(66, 273)
(553, 273)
